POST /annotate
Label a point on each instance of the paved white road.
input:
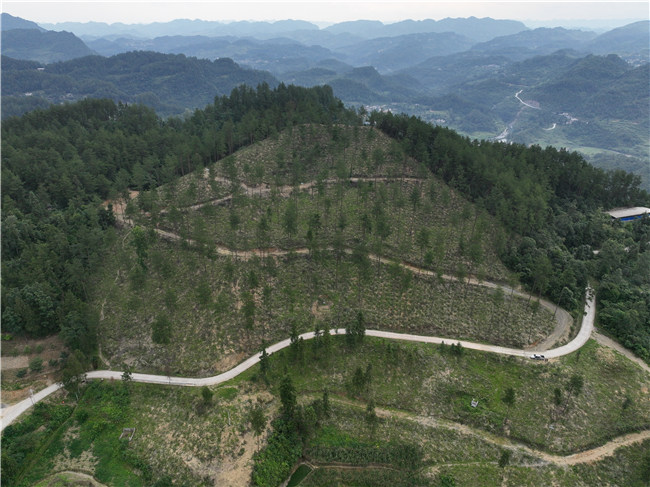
(530, 106)
(10, 414)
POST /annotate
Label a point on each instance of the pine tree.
(288, 396)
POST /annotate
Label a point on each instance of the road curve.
(10, 414)
(522, 101)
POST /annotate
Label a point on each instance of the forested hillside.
(552, 197)
(58, 164)
(277, 210)
(588, 91)
(168, 83)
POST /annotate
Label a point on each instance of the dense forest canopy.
(59, 164)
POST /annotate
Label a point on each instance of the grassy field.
(178, 435)
(433, 383)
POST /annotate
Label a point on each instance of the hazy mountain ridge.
(540, 40)
(629, 38)
(393, 53)
(182, 27)
(570, 90)
(472, 27)
(9, 22)
(167, 82)
(45, 47)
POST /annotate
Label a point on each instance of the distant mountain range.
(167, 82)
(477, 29)
(482, 77)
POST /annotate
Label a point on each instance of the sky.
(134, 12)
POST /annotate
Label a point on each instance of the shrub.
(36, 364)
(21, 373)
(204, 293)
(504, 461)
(53, 362)
(206, 394)
(27, 350)
(81, 416)
(171, 299)
(446, 481)
(161, 330)
(39, 348)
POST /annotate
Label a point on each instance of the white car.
(536, 356)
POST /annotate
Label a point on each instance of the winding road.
(522, 101)
(563, 319)
(11, 413)
(563, 322)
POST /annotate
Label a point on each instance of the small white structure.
(628, 214)
(474, 403)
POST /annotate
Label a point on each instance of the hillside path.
(586, 456)
(608, 342)
(285, 190)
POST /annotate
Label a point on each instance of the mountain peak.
(9, 22)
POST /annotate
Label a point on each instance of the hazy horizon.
(550, 14)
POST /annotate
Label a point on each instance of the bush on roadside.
(36, 364)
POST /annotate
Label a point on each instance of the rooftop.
(628, 212)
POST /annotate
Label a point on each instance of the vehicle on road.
(536, 356)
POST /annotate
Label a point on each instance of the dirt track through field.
(608, 342)
(72, 478)
(586, 456)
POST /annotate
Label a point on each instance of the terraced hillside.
(247, 258)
